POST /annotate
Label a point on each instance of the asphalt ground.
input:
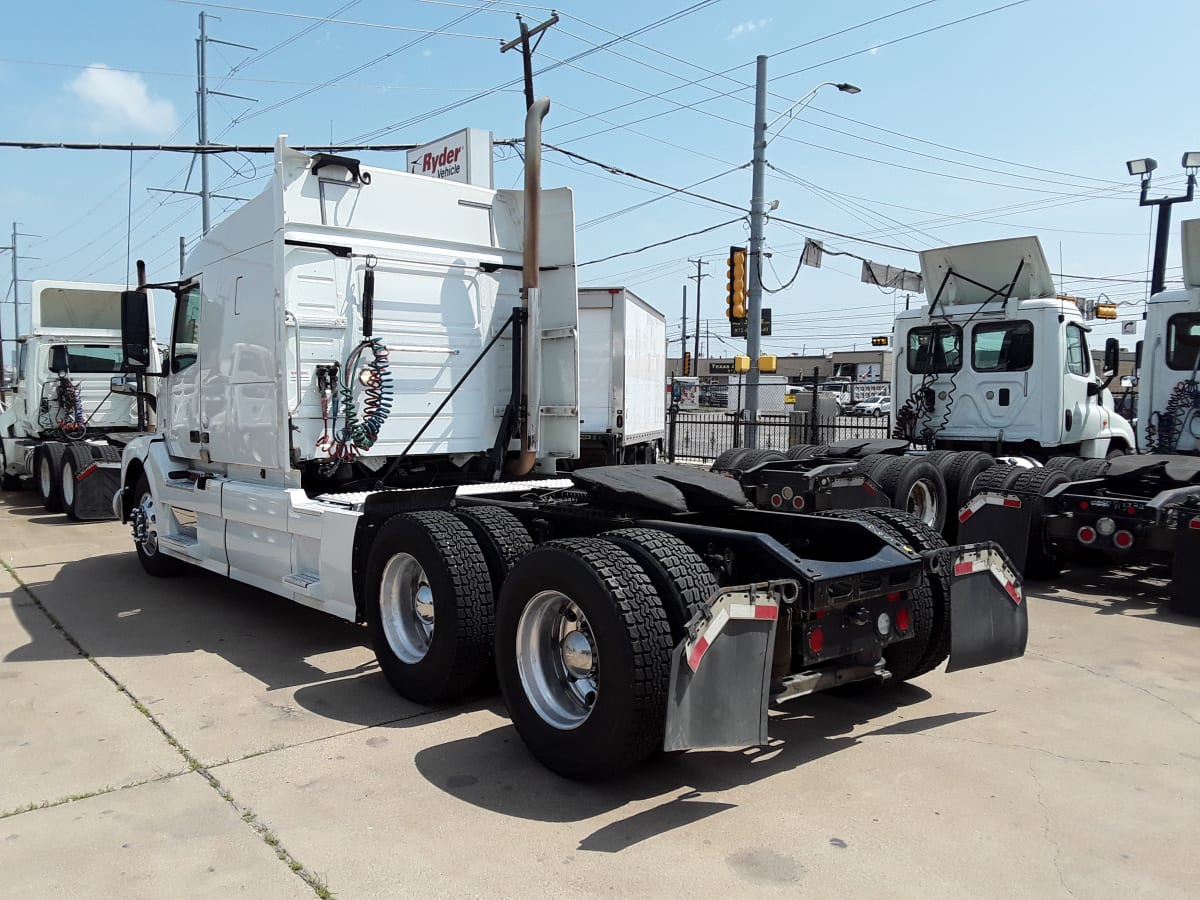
(196, 737)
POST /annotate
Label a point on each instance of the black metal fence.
(699, 437)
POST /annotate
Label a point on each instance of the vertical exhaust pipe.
(141, 274)
(529, 278)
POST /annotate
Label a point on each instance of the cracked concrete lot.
(196, 737)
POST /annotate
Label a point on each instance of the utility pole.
(697, 277)
(757, 223)
(527, 50)
(202, 93)
(182, 253)
(683, 338)
(16, 289)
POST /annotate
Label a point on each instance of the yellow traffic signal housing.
(1106, 310)
(881, 341)
(735, 296)
(687, 363)
(741, 364)
(767, 363)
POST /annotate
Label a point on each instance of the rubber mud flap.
(989, 618)
(992, 516)
(94, 492)
(720, 698)
(1185, 574)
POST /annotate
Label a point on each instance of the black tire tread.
(754, 458)
(500, 535)
(997, 478)
(806, 451)
(1089, 468)
(868, 466)
(727, 459)
(54, 450)
(76, 458)
(681, 578)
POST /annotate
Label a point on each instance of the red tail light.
(1123, 539)
(902, 619)
(1086, 535)
(798, 503)
(894, 597)
(816, 640)
(776, 501)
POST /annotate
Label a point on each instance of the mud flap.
(721, 672)
(856, 492)
(1006, 519)
(94, 490)
(989, 620)
(1185, 574)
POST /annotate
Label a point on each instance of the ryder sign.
(465, 156)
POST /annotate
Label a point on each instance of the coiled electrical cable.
(360, 431)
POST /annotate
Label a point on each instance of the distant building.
(856, 365)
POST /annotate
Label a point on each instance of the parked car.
(876, 406)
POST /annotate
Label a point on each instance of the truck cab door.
(1082, 417)
(179, 418)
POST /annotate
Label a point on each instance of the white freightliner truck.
(997, 362)
(622, 378)
(61, 411)
(371, 378)
(1135, 508)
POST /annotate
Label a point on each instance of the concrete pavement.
(194, 736)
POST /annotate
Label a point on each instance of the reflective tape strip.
(768, 610)
(979, 500)
(991, 561)
(1195, 524)
(86, 472)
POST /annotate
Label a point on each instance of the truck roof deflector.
(973, 274)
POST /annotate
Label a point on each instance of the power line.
(672, 240)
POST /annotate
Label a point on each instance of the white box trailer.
(61, 410)
(622, 377)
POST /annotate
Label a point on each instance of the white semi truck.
(61, 411)
(371, 378)
(1136, 508)
(622, 378)
(998, 362)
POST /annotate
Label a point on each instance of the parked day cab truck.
(622, 378)
(997, 362)
(61, 412)
(372, 377)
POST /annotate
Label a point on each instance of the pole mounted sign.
(465, 156)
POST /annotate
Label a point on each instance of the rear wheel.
(916, 486)
(144, 520)
(429, 606)
(930, 645)
(75, 460)
(48, 467)
(806, 451)
(681, 578)
(752, 458)
(583, 657)
(997, 478)
(501, 537)
(870, 466)
(728, 459)
(1089, 468)
(1040, 563)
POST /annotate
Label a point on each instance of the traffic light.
(1106, 310)
(881, 341)
(735, 297)
(687, 363)
(768, 363)
(741, 364)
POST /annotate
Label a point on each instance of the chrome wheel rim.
(557, 660)
(45, 476)
(406, 608)
(922, 502)
(68, 485)
(146, 525)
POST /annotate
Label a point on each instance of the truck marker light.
(1086, 535)
(884, 623)
(893, 597)
(902, 619)
(1132, 511)
(1123, 539)
(816, 640)
(1083, 504)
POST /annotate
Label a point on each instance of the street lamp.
(758, 220)
(1162, 230)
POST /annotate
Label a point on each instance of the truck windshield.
(935, 348)
(1183, 341)
(1002, 347)
(91, 358)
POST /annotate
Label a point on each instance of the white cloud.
(121, 100)
(748, 26)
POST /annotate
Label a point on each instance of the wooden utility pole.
(527, 50)
(697, 277)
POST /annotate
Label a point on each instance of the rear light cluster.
(886, 623)
(1122, 539)
(778, 501)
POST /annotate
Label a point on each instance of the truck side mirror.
(58, 359)
(135, 330)
(1137, 357)
(122, 384)
(1112, 356)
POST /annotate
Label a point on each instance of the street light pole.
(757, 224)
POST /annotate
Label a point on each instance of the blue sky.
(1017, 121)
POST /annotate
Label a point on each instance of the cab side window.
(185, 335)
(1183, 341)
(1003, 347)
(1077, 351)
